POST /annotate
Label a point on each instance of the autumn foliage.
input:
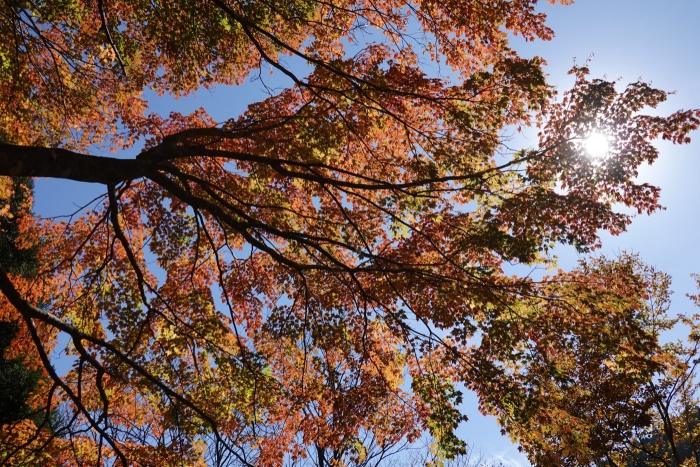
(317, 280)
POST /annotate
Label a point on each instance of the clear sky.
(656, 40)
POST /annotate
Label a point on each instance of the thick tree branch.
(33, 161)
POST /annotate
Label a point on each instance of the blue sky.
(657, 41)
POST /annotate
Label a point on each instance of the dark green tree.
(18, 381)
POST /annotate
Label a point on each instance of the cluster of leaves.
(19, 255)
(313, 281)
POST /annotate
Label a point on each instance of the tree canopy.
(317, 280)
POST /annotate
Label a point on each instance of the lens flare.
(597, 145)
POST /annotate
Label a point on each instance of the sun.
(597, 145)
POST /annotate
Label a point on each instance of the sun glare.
(597, 145)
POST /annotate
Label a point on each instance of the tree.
(318, 277)
(672, 436)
